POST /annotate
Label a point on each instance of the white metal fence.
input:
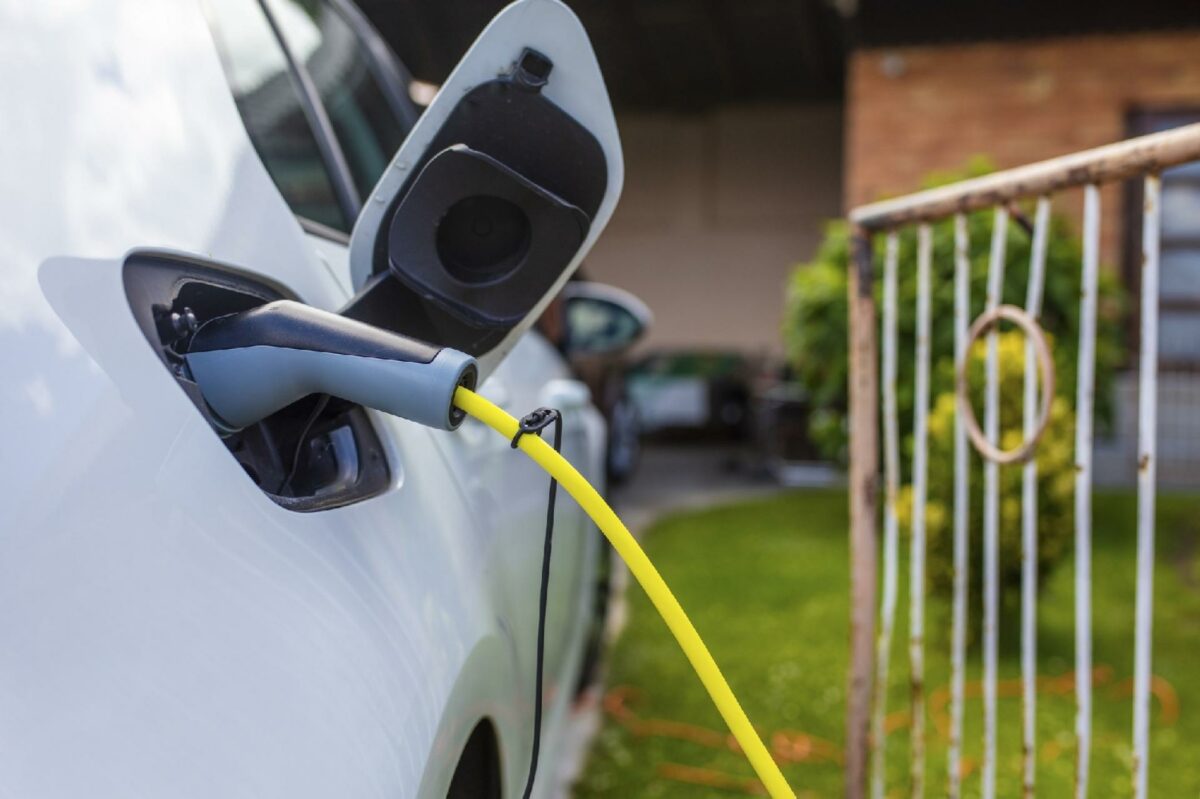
(1144, 159)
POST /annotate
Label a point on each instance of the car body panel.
(168, 629)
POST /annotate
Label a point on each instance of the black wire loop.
(535, 422)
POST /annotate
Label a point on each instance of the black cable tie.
(535, 422)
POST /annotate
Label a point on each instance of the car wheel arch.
(478, 773)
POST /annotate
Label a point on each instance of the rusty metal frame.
(1146, 155)
(1108, 164)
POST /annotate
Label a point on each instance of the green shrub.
(815, 322)
(1056, 476)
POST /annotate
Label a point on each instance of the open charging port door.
(497, 194)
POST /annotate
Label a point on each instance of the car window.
(269, 100)
(596, 325)
(338, 62)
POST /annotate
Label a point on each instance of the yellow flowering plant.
(1054, 457)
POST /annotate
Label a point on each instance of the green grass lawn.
(766, 584)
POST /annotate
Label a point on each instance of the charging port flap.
(497, 194)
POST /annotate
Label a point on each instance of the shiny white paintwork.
(165, 628)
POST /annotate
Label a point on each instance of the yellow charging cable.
(647, 576)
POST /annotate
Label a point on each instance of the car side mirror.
(498, 192)
(602, 319)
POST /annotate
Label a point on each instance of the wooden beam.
(1108, 164)
(864, 490)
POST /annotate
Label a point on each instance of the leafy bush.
(815, 323)
(1056, 478)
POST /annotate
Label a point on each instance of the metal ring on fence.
(986, 321)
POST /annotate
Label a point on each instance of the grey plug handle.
(250, 364)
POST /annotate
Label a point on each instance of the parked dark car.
(694, 394)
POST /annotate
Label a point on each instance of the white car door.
(173, 624)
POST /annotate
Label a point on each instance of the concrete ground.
(684, 477)
(670, 478)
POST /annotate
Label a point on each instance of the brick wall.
(914, 110)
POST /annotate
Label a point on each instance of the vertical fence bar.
(991, 510)
(891, 481)
(962, 480)
(1029, 510)
(863, 490)
(1083, 486)
(916, 582)
(1147, 431)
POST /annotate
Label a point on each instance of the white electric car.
(329, 601)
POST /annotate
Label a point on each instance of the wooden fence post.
(863, 490)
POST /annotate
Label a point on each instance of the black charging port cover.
(479, 239)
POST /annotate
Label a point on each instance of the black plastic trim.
(501, 290)
(387, 303)
(326, 232)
